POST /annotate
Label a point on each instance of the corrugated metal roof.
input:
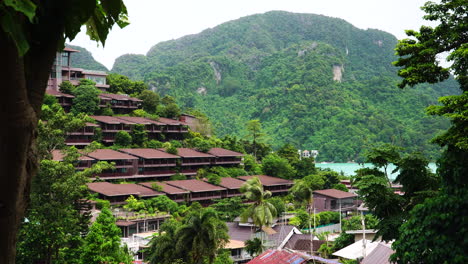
(243, 233)
(278, 257)
(302, 242)
(380, 255)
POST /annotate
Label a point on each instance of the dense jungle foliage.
(313, 81)
(84, 59)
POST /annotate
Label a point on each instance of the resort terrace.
(118, 193)
(125, 165)
(225, 157)
(153, 162)
(232, 186)
(193, 160)
(173, 193)
(199, 190)
(83, 162)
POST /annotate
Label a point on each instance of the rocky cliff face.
(313, 81)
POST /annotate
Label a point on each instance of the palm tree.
(303, 189)
(162, 247)
(302, 192)
(202, 235)
(254, 246)
(260, 211)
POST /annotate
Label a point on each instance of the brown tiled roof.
(89, 124)
(148, 153)
(109, 154)
(220, 152)
(268, 180)
(119, 97)
(70, 49)
(58, 155)
(165, 187)
(301, 242)
(58, 93)
(170, 121)
(139, 120)
(195, 185)
(110, 189)
(231, 183)
(190, 153)
(337, 194)
(111, 120)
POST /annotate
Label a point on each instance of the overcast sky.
(153, 21)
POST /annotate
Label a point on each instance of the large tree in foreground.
(31, 32)
(436, 230)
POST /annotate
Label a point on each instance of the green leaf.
(26, 7)
(10, 26)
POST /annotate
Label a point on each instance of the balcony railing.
(158, 173)
(202, 198)
(112, 174)
(227, 162)
(158, 165)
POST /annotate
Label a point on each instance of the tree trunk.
(24, 80)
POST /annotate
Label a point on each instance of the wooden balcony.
(157, 165)
(194, 197)
(195, 163)
(159, 173)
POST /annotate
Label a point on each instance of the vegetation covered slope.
(313, 81)
(85, 60)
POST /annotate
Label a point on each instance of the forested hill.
(313, 81)
(84, 59)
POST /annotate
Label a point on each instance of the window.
(65, 59)
(97, 79)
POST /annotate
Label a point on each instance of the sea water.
(348, 168)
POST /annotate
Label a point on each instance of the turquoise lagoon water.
(349, 168)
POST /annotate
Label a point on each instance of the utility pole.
(340, 215)
(363, 235)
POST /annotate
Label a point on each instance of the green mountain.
(313, 81)
(85, 60)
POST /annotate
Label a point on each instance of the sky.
(154, 21)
